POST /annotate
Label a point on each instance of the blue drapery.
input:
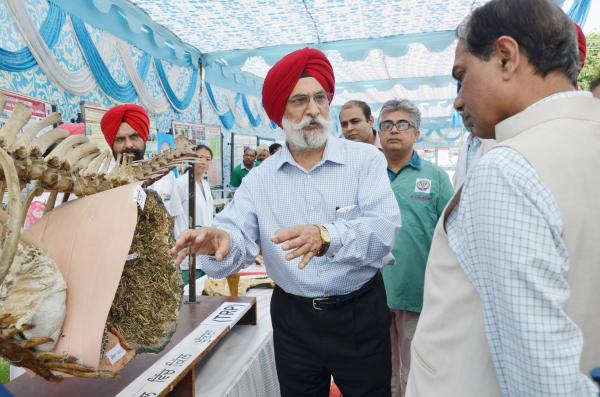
(226, 118)
(579, 11)
(178, 104)
(254, 121)
(144, 66)
(17, 61)
(122, 93)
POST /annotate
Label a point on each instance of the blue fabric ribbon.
(18, 61)
(226, 118)
(579, 11)
(254, 121)
(178, 104)
(122, 93)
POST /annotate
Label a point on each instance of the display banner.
(209, 135)
(92, 114)
(39, 109)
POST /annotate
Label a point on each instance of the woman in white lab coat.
(204, 200)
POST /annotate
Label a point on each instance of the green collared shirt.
(422, 190)
(238, 173)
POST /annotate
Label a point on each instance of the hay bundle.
(146, 306)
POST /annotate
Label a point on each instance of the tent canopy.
(379, 50)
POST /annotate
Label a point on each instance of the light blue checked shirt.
(506, 233)
(348, 192)
(473, 145)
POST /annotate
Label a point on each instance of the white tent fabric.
(77, 83)
(379, 50)
(249, 24)
(154, 105)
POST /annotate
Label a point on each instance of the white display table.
(243, 364)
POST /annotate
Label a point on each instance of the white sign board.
(162, 373)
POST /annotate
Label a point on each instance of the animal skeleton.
(58, 162)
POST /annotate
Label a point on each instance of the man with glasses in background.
(422, 190)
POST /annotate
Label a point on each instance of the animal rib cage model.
(34, 295)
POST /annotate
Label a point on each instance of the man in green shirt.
(241, 170)
(422, 190)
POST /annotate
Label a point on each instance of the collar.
(472, 139)
(334, 152)
(573, 104)
(415, 162)
(558, 95)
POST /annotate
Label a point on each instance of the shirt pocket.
(347, 213)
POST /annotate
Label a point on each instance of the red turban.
(581, 44)
(134, 115)
(284, 75)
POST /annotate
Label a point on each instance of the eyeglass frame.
(291, 101)
(396, 124)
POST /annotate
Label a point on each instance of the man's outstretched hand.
(204, 241)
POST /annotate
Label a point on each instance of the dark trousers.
(350, 342)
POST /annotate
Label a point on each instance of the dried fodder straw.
(146, 305)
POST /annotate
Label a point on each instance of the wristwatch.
(325, 240)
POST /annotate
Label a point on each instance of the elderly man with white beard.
(325, 217)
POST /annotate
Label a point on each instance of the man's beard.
(137, 154)
(301, 139)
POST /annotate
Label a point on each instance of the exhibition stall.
(123, 324)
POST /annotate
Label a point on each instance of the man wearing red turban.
(126, 129)
(323, 213)
(282, 78)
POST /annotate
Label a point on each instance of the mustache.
(308, 120)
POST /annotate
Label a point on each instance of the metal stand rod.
(192, 224)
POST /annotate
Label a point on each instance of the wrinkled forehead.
(307, 86)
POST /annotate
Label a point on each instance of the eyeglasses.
(301, 101)
(401, 125)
